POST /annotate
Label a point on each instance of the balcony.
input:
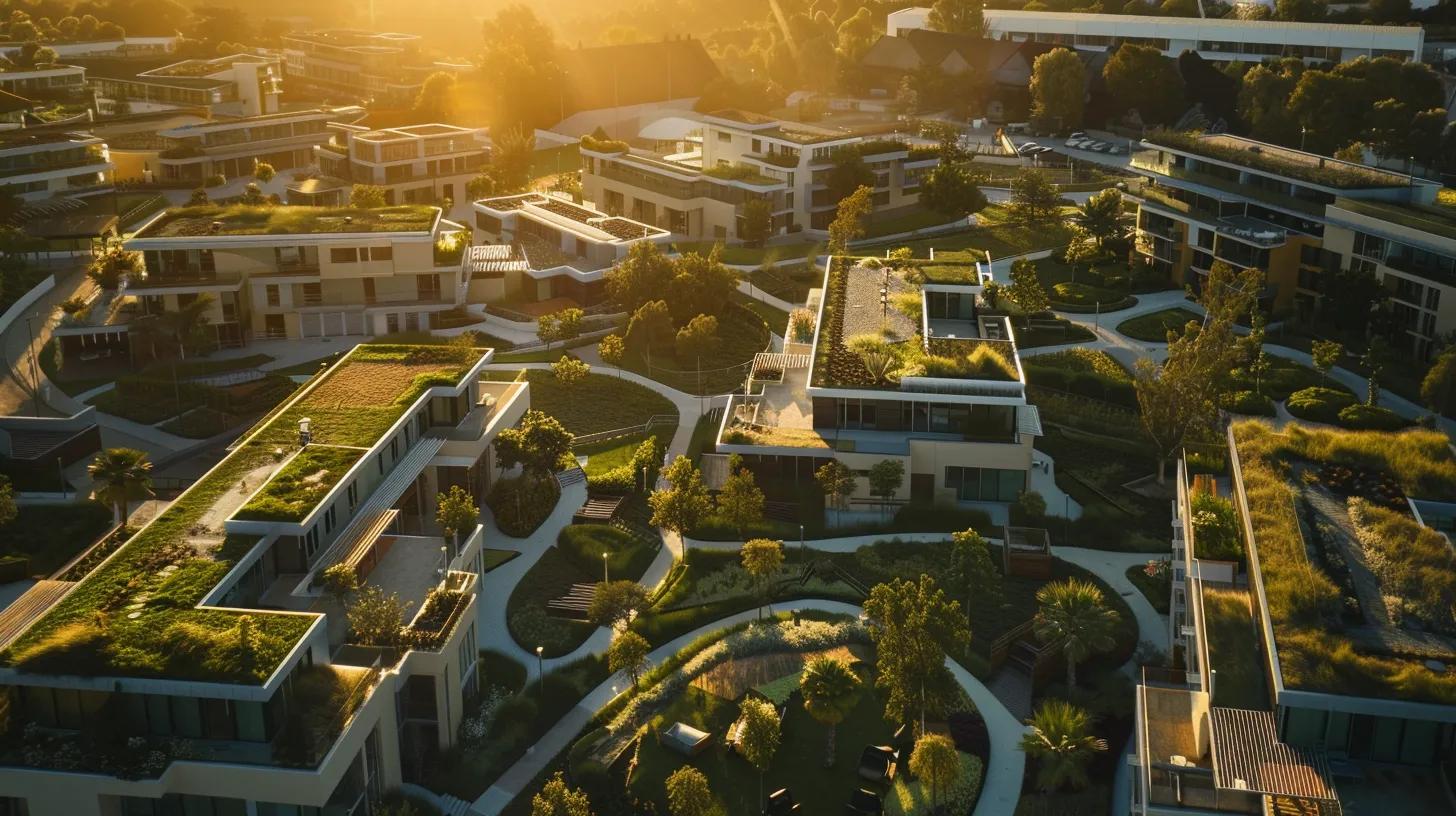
(183, 276)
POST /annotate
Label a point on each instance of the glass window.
(186, 717)
(343, 255)
(383, 253)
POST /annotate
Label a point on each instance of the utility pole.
(34, 370)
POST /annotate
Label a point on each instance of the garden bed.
(1154, 327)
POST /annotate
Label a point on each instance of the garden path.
(999, 792)
(1111, 567)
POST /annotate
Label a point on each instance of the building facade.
(357, 65)
(38, 166)
(235, 85)
(743, 158)
(189, 154)
(314, 721)
(415, 164)
(44, 81)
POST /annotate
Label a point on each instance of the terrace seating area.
(597, 509)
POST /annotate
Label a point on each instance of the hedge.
(1371, 418)
(1319, 404)
(1246, 402)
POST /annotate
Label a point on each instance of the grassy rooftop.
(1316, 652)
(1437, 219)
(298, 487)
(240, 219)
(92, 631)
(1282, 161)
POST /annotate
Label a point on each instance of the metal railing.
(655, 421)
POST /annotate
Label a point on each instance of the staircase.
(450, 806)
(567, 478)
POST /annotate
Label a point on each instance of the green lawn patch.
(776, 319)
(996, 232)
(917, 219)
(492, 558)
(604, 457)
(1092, 470)
(1284, 377)
(50, 535)
(790, 282)
(1052, 331)
(297, 488)
(1234, 649)
(742, 333)
(1154, 327)
(526, 617)
(601, 402)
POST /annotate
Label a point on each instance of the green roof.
(1261, 157)
(1436, 219)
(240, 219)
(297, 488)
(137, 614)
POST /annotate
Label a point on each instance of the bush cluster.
(521, 504)
(1246, 402)
(1319, 404)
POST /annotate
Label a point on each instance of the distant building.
(235, 85)
(189, 154)
(1003, 63)
(44, 81)
(353, 65)
(415, 164)
(1213, 38)
(37, 165)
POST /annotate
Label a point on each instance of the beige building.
(415, 164)
(233, 85)
(700, 193)
(189, 154)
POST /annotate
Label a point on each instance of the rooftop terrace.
(1436, 219)
(239, 219)
(1311, 168)
(138, 613)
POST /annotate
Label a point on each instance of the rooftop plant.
(1329, 173)
(240, 219)
(301, 484)
(595, 145)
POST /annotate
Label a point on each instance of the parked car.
(1074, 141)
(1118, 150)
(1077, 134)
(1099, 147)
(1040, 150)
(1027, 148)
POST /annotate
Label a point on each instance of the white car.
(1074, 141)
(1077, 134)
(1026, 148)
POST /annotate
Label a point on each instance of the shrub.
(1246, 402)
(214, 180)
(1362, 417)
(521, 504)
(1216, 528)
(1319, 404)
(500, 669)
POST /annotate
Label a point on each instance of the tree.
(1140, 78)
(615, 602)
(1058, 89)
(1061, 743)
(367, 196)
(112, 265)
(971, 572)
(936, 763)
(688, 793)
(1178, 398)
(1376, 357)
(847, 174)
(952, 189)
(913, 624)
(740, 501)
(510, 159)
(1325, 354)
(436, 99)
(456, 512)
(762, 559)
(1438, 388)
(837, 481)
(698, 339)
(376, 618)
(557, 799)
(1390, 11)
(198, 198)
(830, 690)
(681, 505)
(757, 223)
(520, 70)
(187, 324)
(701, 284)
(758, 735)
(1034, 199)
(1027, 291)
(338, 581)
(649, 328)
(956, 16)
(1300, 11)
(1075, 614)
(569, 370)
(264, 172)
(628, 654)
(8, 510)
(612, 351)
(537, 444)
(848, 224)
(120, 475)
(641, 277)
(1100, 216)
(885, 478)
(856, 34)
(563, 326)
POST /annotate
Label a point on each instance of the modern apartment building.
(1222, 38)
(950, 406)
(44, 81)
(1226, 198)
(534, 247)
(744, 157)
(216, 674)
(39, 165)
(415, 164)
(285, 272)
(189, 154)
(351, 65)
(1318, 714)
(234, 85)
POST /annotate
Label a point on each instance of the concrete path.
(757, 293)
(1000, 790)
(1111, 567)
(17, 389)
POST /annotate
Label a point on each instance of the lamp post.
(801, 540)
(541, 672)
(605, 579)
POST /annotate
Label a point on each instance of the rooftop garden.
(595, 145)
(1438, 218)
(240, 219)
(968, 359)
(136, 615)
(297, 488)
(1277, 160)
(1332, 630)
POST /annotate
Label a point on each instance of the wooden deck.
(29, 607)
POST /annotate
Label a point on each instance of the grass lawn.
(553, 160)
(1154, 590)
(791, 283)
(995, 232)
(917, 219)
(601, 402)
(613, 453)
(51, 535)
(1154, 327)
(1093, 473)
(798, 764)
(492, 558)
(776, 319)
(1065, 332)
(1283, 378)
(742, 333)
(750, 256)
(705, 434)
(1233, 649)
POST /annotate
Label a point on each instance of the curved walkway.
(1000, 789)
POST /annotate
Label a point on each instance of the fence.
(655, 421)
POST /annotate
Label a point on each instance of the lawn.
(742, 333)
(790, 282)
(298, 486)
(1155, 590)
(1063, 333)
(613, 453)
(1093, 471)
(1154, 327)
(550, 161)
(798, 763)
(492, 558)
(601, 402)
(51, 535)
(995, 233)
(1283, 378)
(917, 219)
(776, 319)
(1233, 649)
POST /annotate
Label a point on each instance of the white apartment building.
(305, 718)
(361, 65)
(743, 157)
(38, 166)
(234, 85)
(415, 164)
(1213, 39)
(44, 81)
(189, 154)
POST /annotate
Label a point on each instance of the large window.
(985, 484)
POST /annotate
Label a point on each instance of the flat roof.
(238, 219)
(1302, 166)
(1434, 219)
(1251, 30)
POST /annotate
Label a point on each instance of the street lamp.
(604, 567)
(541, 671)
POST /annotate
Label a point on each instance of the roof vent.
(216, 226)
(348, 219)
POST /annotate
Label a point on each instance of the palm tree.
(1099, 215)
(1060, 742)
(186, 323)
(1075, 613)
(120, 474)
(830, 690)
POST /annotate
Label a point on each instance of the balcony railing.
(180, 277)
